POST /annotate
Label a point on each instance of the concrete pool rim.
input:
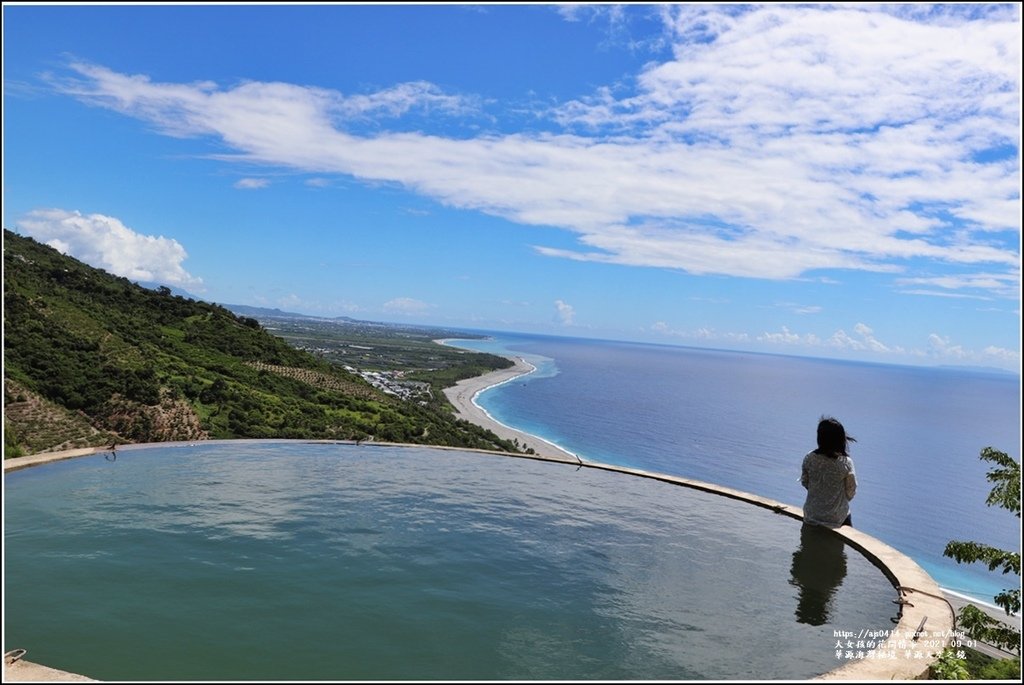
(905, 652)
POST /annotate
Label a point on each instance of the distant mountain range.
(174, 290)
(241, 309)
(978, 369)
(264, 312)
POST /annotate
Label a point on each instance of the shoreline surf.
(463, 396)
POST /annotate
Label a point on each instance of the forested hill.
(90, 358)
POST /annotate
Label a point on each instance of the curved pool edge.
(926, 620)
(22, 671)
(18, 463)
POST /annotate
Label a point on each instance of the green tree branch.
(1006, 494)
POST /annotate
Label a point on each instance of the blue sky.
(829, 181)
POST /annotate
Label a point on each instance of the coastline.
(463, 394)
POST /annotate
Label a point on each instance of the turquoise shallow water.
(271, 561)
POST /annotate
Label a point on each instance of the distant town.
(394, 383)
(384, 355)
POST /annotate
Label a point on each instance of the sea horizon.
(957, 368)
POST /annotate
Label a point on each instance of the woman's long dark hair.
(832, 438)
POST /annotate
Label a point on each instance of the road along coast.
(463, 396)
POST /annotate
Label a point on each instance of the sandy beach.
(462, 396)
(960, 601)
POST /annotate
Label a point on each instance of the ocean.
(746, 421)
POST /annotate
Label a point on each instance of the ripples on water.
(330, 562)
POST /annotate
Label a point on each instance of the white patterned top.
(831, 483)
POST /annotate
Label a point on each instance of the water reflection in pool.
(274, 561)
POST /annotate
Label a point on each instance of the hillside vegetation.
(388, 355)
(90, 358)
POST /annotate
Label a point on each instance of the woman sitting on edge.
(828, 475)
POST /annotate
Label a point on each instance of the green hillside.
(90, 358)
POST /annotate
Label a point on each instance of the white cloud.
(784, 337)
(943, 348)
(787, 337)
(800, 308)
(252, 183)
(1007, 284)
(406, 306)
(571, 11)
(1001, 354)
(865, 340)
(104, 242)
(778, 140)
(868, 336)
(862, 340)
(564, 313)
(842, 340)
(861, 343)
(613, 16)
(938, 293)
(400, 99)
(704, 334)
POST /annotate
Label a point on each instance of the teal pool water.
(279, 561)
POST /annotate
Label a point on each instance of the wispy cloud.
(572, 11)
(252, 183)
(779, 140)
(967, 285)
(407, 306)
(405, 97)
(703, 334)
(104, 242)
(939, 293)
(616, 22)
(938, 348)
(800, 308)
(788, 337)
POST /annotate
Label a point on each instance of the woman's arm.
(850, 482)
